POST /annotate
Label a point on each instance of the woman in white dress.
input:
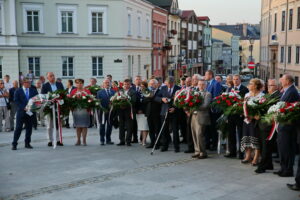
(141, 117)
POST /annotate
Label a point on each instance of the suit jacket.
(104, 97)
(243, 91)
(152, 107)
(214, 88)
(203, 111)
(46, 88)
(12, 94)
(164, 93)
(291, 95)
(21, 100)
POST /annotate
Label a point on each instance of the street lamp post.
(251, 41)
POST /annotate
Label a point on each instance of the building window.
(291, 19)
(298, 55)
(67, 66)
(139, 26)
(159, 62)
(98, 20)
(66, 22)
(139, 65)
(159, 35)
(32, 18)
(283, 21)
(67, 19)
(97, 63)
(33, 21)
(34, 65)
(298, 18)
(275, 23)
(129, 25)
(154, 35)
(289, 54)
(1, 68)
(297, 81)
(281, 54)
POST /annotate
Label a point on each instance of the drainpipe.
(268, 47)
(286, 35)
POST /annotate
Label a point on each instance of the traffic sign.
(251, 65)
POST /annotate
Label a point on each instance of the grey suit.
(200, 119)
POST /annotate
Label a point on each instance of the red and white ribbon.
(247, 119)
(272, 132)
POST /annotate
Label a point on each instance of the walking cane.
(162, 128)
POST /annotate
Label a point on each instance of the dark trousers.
(287, 147)
(23, 118)
(105, 129)
(297, 179)
(125, 123)
(211, 133)
(135, 130)
(172, 120)
(235, 129)
(189, 136)
(266, 151)
(35, 122)
(154, 128)
(182, 124)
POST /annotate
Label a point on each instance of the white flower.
(83, 97)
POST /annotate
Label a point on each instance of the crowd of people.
(155, 115)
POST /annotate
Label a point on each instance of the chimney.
(245, 29)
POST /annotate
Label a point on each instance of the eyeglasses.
(1, 83)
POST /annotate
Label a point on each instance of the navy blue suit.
(21, 101)
(211, 135)
(47, 87)
(214, 87)
(287, 135)
(106, 125)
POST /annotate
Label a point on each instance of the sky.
(225, 11)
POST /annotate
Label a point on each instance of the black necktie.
(236, 88)
(107, 91)
(170, 91)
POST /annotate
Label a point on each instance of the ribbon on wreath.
(97, 119)
(178, 94)
(247, 119)
(56, 103)
(272, 131)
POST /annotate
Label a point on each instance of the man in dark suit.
(236, 122)
(51, 86)
(153, 113)
(105, 123)
(69, 90)
(21, 98)
(166, 97)
(266, 162)
(137, 87)
(287, 134)
(126, 115)
(215, 88)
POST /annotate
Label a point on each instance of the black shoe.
(110, 143)
(59, 144)
(68, 126)
(121, 144)
(102, 143)
(293, 187)
(134, 141)
(259, 171)
(230, 156)
(245, 161)
(157, 147)
(241, 156)
(128, 144)
(286, 174)
(14, 148)
(195, 156)
(202, 157)
(189, 151)
(163, 149)
(35, 128)
(269, 168)
(28, 146)
(50, 144)
(277, 172)
(177, 150)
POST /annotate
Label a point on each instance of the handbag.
(8, 106)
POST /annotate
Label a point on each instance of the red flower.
(229, 103)
(282, 110)
(198, 101)
(191, 104)
(218, 102)
(183, 96)
(181, 103)
(224, 98)
(217, 97)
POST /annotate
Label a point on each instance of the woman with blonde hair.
(250, 140)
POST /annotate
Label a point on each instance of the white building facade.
(78, 39)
